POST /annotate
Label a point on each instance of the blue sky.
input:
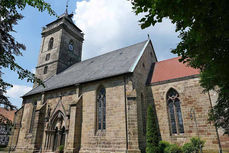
(107, 25)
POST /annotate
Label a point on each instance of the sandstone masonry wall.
(191, 97)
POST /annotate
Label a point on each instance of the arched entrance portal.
(55, 135)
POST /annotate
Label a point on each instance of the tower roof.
(64, 17)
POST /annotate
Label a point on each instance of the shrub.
(173, 148)
(188, 148)
(197, 144)
(61, 148)
(163, 145)
(194, 146)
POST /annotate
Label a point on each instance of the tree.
(9, 47)
(203, 27)
(152, 132)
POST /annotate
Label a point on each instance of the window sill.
(100, 133)
(181, 135)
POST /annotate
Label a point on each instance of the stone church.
(99, 104)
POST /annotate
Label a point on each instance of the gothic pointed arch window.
(50, 45)
(101, 108)
(174, 111)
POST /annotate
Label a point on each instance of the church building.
(100, 104)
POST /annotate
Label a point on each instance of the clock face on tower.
(70, 46)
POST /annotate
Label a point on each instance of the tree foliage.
(152, 132)
(9, 47)
(203, 27)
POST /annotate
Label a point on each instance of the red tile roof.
(171, 69)
(8, 114)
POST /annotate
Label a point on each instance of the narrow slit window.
(47, 57)
(101, 108)
(45, 69)
(50, 45)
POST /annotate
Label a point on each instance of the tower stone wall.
(61, 47)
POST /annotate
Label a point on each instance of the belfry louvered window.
(101, 108)
(174, 111)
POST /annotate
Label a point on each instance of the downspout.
(124, 78)
(216, 129)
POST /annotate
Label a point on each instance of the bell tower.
(61, 47)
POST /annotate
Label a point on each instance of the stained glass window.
(101, 109)
(174, 110)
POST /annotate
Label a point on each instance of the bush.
(173, 148)
(197, 142)
(188, 148)
(194, 146)
(61, 148)
(163, 145)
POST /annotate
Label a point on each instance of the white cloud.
(110, 25)
(16, 92)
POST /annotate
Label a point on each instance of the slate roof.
(114, 63)
(171, 69)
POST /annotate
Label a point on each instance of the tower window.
(45, 69)
(71, 45)
(174, 111)
(50, 46)
(47, 57)
(101, 108)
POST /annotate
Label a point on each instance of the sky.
(107, 25)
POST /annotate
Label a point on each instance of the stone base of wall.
(24, 150)
(112, 150)
(72, 150)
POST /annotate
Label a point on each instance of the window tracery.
(101, 108)
(174, 111)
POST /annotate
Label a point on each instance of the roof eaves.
(140, 55)
(174, 80)
(30, 94)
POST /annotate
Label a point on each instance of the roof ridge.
(168, 59)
